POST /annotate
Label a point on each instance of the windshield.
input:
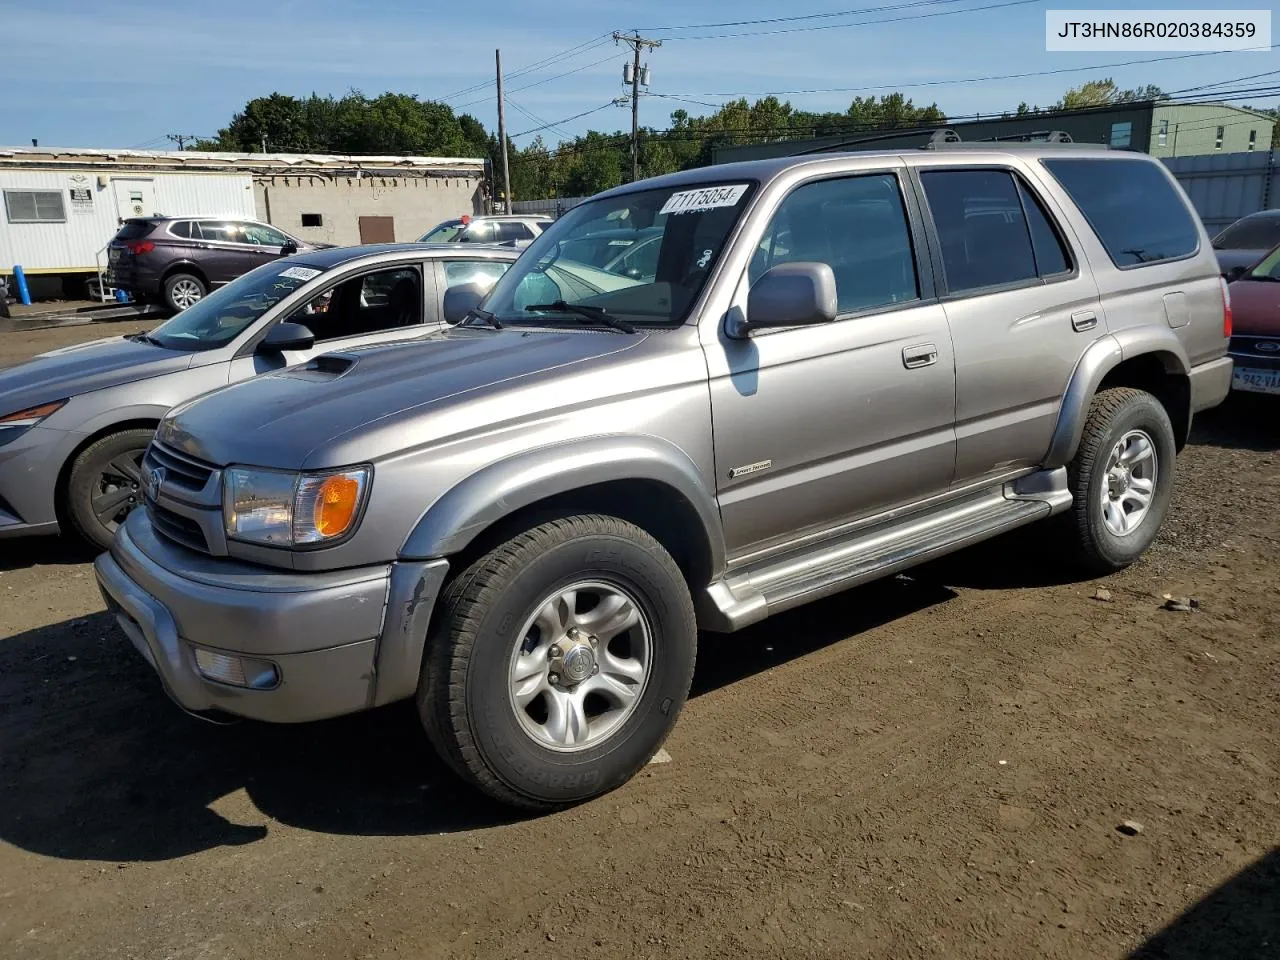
(224, 314)
(1268, 268)
(443, 233)
(1255, 233)
(642, 257)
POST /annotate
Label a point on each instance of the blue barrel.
(122, 296)
(20, 278)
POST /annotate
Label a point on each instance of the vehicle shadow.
(21, 552)
(1240, 920)
(1245, 421)
(96, 764)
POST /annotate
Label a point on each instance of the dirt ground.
(926, 767)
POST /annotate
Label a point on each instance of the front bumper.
(29, 466)
(340, 641)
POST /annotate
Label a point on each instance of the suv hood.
(282, 419)
(84, 368)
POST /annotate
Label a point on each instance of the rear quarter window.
(1137, 214)
(134, 229)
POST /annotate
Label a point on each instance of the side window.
(981, 227)
(482, 272)
(219, 231)
(1139, 216)
(262, 235)
(479, 231)
(181, 229)
(513, 230)
(857, 225)
(385, 300)
(1046, 243)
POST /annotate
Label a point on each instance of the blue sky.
(123, 74)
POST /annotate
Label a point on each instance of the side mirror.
(461, 300)
(287, 336)
(1235, 273)
(789, 295)
(289, 248)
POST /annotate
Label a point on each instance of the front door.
(824, 424)
(381, 305)
(134, 198)
(1021, 310)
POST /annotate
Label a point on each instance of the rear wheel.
(182, 290)
(1121, 479)
(560, 663)
(105, 483)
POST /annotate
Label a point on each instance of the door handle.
(921, 355)
(1081, 322)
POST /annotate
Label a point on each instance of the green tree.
(1097, 93)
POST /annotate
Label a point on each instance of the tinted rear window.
(1133, 208)
(133, 229)
(1255, 233)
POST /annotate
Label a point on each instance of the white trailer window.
(35, 206)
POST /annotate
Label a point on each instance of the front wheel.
(560, 663)
(105, 483)
(1121, 479)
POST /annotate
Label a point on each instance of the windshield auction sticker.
(706, 198)
(300, 273)
(1157, 30)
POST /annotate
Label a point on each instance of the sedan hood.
(1255, 308)
(281, 419)
(84, 368)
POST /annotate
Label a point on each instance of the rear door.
(223, 256)
(1021, 309)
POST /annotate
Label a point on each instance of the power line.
(566, 54)
(538, 83)
(859, 23)
(546, 124)
(795, 19)
(954, 80)
(576, 116)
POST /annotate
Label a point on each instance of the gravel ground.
(932, 766)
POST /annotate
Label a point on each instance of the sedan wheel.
(105, 484)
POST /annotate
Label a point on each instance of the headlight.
(287, 509)
(16, 424)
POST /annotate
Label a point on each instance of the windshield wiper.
(594, 314)
(144, 338)
(484, 315)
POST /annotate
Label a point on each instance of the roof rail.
(1055, 140)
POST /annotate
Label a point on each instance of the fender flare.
(473, 504)
(1099, 359)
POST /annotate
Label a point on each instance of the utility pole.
(636, 42)
(502, 136)
(181, 139)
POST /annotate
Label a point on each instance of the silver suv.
(834, 368)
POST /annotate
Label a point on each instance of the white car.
(497, 229)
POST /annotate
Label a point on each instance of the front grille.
(181, 530)
(180, 469)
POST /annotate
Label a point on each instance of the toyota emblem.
(155, 479)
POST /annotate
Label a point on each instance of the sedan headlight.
(289, 509)
(16, 424)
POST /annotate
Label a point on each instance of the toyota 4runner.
(832, 368)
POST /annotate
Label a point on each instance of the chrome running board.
(841, 562)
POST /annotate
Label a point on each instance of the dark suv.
(177, 260)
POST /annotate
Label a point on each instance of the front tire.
(105, 483)
(1121, 479)
(183, 290)
(561, 662)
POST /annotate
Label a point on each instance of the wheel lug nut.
(595, 669)
(553, 678)
(554, 651)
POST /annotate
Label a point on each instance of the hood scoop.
(328, 366)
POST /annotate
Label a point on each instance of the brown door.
(377, 230)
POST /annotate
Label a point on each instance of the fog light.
(236, 671)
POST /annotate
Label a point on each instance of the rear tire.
(1121, 479)
(182, 290)
(105, 483)
(511, 657)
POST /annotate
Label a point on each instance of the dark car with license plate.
(1255, 339)
(176, 261)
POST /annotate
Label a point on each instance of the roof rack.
(1036, 139)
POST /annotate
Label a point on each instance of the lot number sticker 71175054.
(705, 198)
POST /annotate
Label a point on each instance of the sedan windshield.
(640, 257)
(1251, 233)
(442, 233)
(222, 316)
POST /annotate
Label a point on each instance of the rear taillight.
(139, 246)
(1226, 308)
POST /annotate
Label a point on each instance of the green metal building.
(1197, 129)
